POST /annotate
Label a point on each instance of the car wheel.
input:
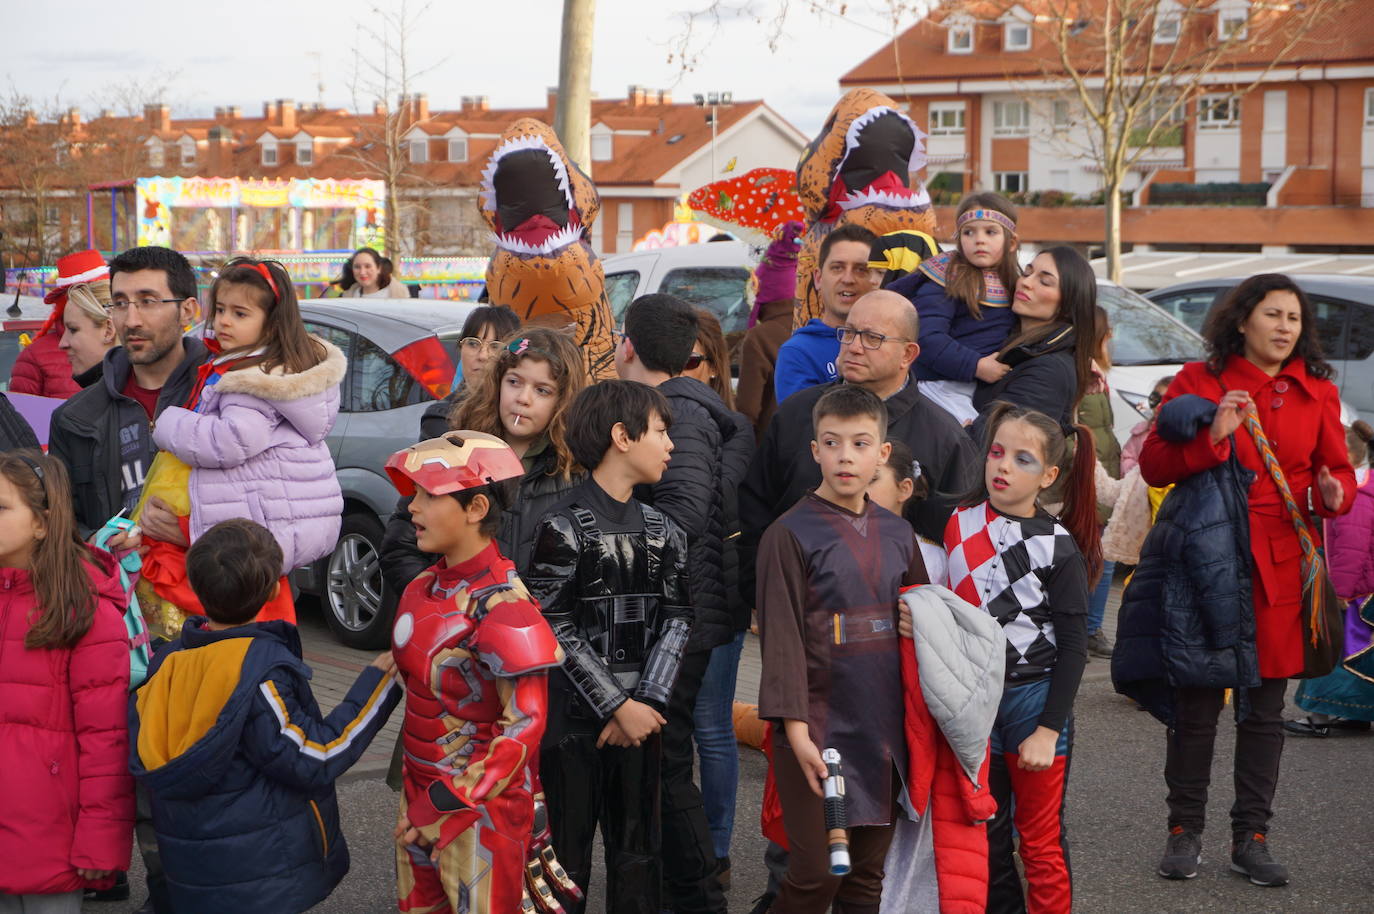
(357, 604)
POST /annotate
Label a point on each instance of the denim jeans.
(717, 753)
(1097, 603)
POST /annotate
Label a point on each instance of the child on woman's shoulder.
(228, 739)
(65, 790)
(830, 572)
(1031, 572)
(963, 298)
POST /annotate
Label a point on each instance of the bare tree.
(1133, 84)
(35, 172)
(572, 120)
(383, 80)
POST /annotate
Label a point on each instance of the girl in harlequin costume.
(249, 442)
(473, 650)
(1030, 570)
(964, 299)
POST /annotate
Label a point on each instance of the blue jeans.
(717, 752)
(1097, 603)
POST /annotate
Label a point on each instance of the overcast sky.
(247, 51)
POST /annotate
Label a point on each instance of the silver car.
(402, 355)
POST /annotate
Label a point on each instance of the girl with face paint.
(1030, 570)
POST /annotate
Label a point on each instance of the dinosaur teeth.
(866, 197)
(557, 241)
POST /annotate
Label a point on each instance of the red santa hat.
(83, 266)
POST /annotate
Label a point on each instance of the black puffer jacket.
(783, 469)
(711, 448)
(1043, 377)
(402, 560)
(1187, 617)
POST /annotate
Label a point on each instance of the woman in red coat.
(1263, 351)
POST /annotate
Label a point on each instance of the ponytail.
(1079, 514)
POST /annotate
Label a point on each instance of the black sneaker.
(1182, 854)
(1250, 857)
(1099, 645)
(763, 903)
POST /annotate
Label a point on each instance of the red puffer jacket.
(65, 789)
(43, 370)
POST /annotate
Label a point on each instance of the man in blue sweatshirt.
(808, 357)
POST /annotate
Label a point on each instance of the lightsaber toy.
(835, 819)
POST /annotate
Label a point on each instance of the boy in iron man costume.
(473, 650)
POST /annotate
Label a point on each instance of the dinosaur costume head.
(539, 206)
(858, 170)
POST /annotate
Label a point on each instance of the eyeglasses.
(694, 361)
(871, 339)
(144, 304)
(473, 344)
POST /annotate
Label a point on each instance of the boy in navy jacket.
(233, 750)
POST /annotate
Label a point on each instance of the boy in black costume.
(611, 576)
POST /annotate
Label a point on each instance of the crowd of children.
(571, 611)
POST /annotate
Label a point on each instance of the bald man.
(877, 352)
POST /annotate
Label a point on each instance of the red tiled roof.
(923, 55)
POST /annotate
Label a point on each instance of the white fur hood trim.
(279, 386)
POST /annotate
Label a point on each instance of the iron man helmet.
(453, 462)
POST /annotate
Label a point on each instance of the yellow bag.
(170, 480)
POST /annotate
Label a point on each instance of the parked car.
(26, 314)
(1147, 344)
(714, 275)
(1344, 307)
(401, 357)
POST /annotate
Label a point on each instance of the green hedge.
(1227, 193)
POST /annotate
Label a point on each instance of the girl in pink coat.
(66, 797)
(253, 432)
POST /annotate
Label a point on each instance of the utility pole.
(714, 101)
(572, 119)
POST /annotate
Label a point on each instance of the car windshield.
(1142, 334)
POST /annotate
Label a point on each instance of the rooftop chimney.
(74, 116)
(379, 108)
(551, 98)
(107, 112)
(158, 117)
(286, 113)
(233, 112)
(419, 106)
(635, 95)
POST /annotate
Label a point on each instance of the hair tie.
(37, 471)
(985, 215)
(518, 347)
(915, 469)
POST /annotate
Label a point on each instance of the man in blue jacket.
(809, 355)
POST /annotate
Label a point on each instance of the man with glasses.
(104, 433)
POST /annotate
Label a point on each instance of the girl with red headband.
(251, 436)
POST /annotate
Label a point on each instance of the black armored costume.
(611, 578)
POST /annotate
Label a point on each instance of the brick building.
(646, 151)
(985, 80)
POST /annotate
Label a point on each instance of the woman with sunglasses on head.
(253, 432)
(479, 345)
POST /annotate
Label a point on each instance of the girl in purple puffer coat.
(1342, 700)
(253, 432)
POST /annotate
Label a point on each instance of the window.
(625, 225)
(1011, 182)
(1218, 112)
(1141, 335)
(1010, 119)
(947, 119)
(1232, 19)
(305, 154)
(1330, 315)
(155, 153)
(1369, 107)
(380, 383)
(961, 38)
(720, 290)
(620, 291)
(1190, 305)
(458, 150)
(602, 147)
(269, 153)
(1016, 36)
(1060, 113)
(1167, 27)
(188, 154)
(419, 152)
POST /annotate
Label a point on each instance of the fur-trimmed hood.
(277, 386)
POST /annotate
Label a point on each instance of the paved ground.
(1322, 827)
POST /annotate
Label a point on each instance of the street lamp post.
(714, 101)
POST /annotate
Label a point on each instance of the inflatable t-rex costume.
(857, 170)
(539, 205)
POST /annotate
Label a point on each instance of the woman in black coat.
(1051, 350)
